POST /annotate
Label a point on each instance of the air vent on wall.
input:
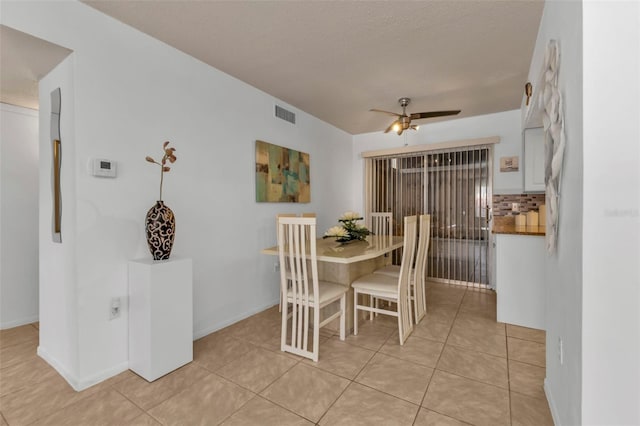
(285, 114)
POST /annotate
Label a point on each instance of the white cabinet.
(533, 152)
(160, 316)
(520, 285)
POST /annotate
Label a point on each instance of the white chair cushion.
(390, 270)
(377, 283)
(394, 272)
(328, 291)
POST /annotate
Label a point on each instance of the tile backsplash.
(527, 202)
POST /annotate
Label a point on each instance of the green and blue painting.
(282, 174)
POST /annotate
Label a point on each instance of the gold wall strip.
(57, 207)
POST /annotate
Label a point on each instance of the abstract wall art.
(282, 174)
(553, 121)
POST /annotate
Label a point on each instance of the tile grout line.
(475, 350)
(509, 378)
(435, 368)
(352, 381)
(146, 411)
(475, 380)
(298, 361)
(134, 403)
(274, 403)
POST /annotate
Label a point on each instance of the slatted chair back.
(303, 292)
(405, 320)
(380, 223)
(303, 281)
(278, 216)
(308, 215)
(419, 284)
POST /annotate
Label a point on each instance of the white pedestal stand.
(160, 316)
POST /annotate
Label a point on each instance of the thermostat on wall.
(103, 168)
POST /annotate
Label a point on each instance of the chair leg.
(371, 306)
(410, 306)
(424, 295)
(400, 328)
(283, 331)
(355, 313)
(316, 333)
(414, 302)
(343, 316)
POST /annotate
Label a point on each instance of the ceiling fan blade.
(391, 126)
(395, 114)
(431, 114)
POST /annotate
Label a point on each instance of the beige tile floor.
(458, 367)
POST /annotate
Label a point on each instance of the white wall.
(59, 321)
(611, 231)
(506, 125)
(131, 93)
(18, 216)
(562, 21)
(593, 300)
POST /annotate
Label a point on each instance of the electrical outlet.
(515, 207)
(276, 267)
(115, 308)
(560, 350)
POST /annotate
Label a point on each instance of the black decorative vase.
(161, 229)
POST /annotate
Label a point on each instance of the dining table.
(343, 263)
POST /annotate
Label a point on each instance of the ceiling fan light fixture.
(403, 121)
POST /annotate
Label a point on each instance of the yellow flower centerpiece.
(349, 230)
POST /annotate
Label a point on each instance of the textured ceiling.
(337, 59)
(25, 60)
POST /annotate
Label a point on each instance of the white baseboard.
(552, 403)
(94, 379)
(201, 332)
(70, 378)
(19, 322)
(81, 384)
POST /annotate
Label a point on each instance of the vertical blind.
(454, 187)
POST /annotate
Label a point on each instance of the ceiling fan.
(403, 122)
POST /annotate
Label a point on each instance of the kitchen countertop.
(507, 225)
(519, 230)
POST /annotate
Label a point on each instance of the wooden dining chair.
(417, 281)
(308, 215)
(391, 289)
(285, 265)
(278, 216)
(305, 297)
(381, 223)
